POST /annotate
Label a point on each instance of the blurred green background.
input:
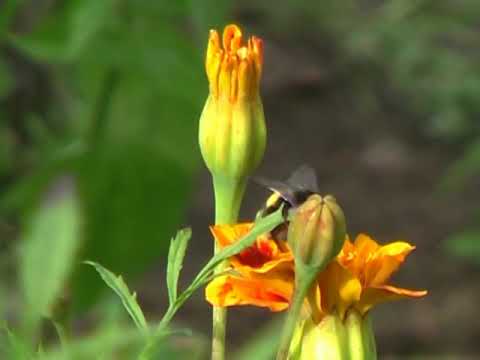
(99, 105)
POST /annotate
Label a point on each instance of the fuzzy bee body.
(289, 194)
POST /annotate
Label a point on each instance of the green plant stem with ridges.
(305, 276)
(228, 198)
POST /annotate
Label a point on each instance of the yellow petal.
(339, 289)
(373, 296)
(385, 262)
(264, 292)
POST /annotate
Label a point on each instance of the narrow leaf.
(176, 254)
(128, 299)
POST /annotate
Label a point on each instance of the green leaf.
(176, 254)
(14, 347)
(49, 244)
(129, 300)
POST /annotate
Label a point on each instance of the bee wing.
(285, 190)
(304, 178)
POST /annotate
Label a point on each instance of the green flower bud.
(317, 231)
(334, 339)
(232, 133)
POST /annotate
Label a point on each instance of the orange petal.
(373, 296)
(264, 292)
(229, 234)
(283, 262)
(386, 261)
(355, 257)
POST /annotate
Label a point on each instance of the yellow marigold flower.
(357, 279)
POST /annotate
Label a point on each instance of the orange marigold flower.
(357, 278)
(265, 272)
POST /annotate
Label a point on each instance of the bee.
(290, 194)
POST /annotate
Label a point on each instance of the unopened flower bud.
(335, 339)
(232, 132)
(317, 231)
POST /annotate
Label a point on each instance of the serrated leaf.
(128, 299)
(176, 254)
(49, 245)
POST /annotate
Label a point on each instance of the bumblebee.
(291, 193)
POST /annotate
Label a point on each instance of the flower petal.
(373, 296)
(283, 262)
(355, 256)
(264, 292)
(228, 234)
(339, 289)
(385, 262)
(365, 245)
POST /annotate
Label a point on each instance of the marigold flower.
(265, 272)
(357, 279)
(232, 132)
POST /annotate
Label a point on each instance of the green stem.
(228, 198)
(302, 286)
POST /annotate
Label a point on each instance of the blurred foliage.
(114, 89)
(54, 225)
(427, 48)
(107, 95)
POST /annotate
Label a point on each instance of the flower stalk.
(232, 134)
(228, 198)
